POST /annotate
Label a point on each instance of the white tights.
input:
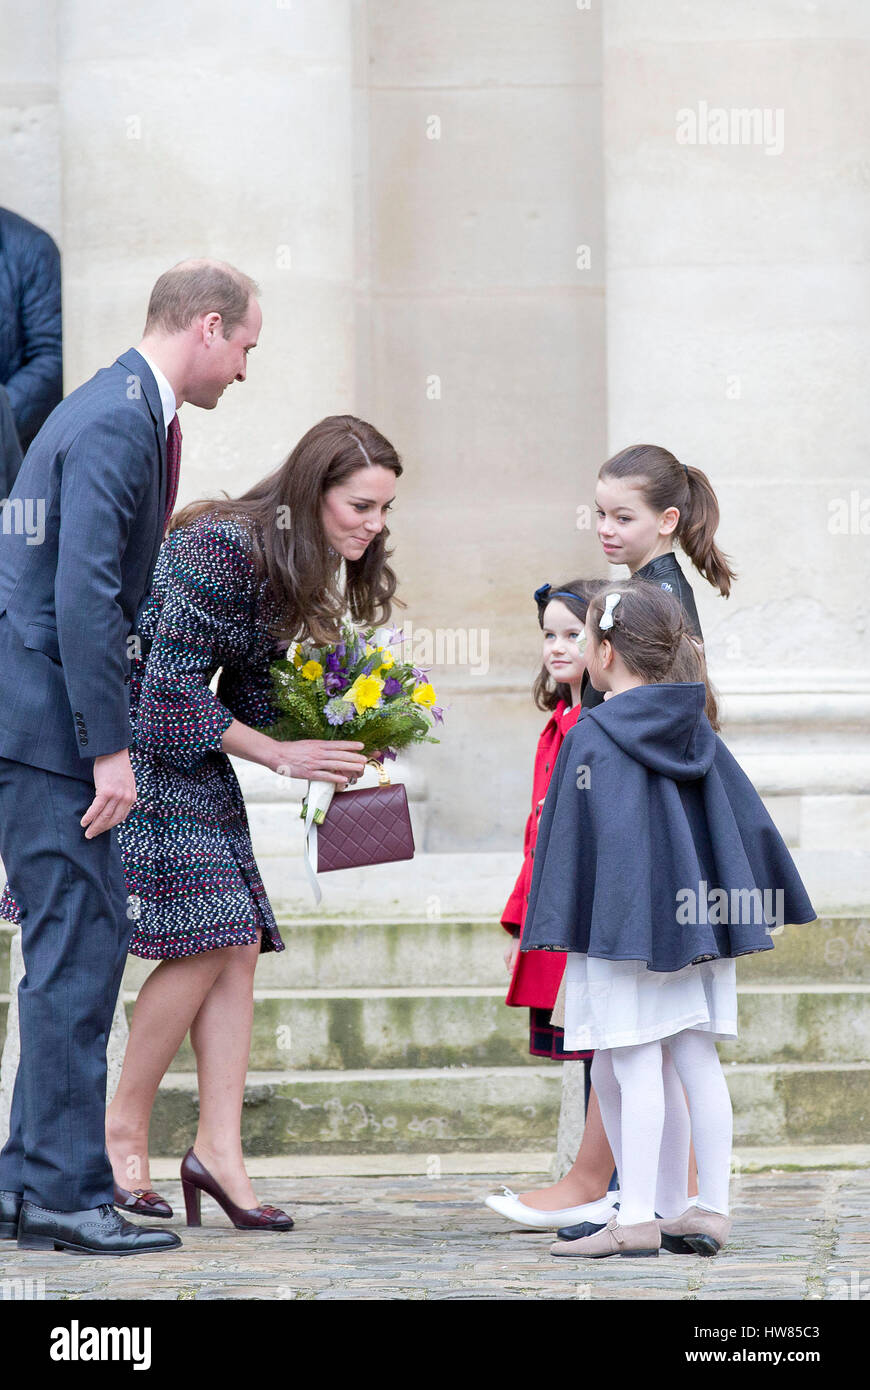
(643, 1108)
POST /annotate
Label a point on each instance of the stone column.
(481, 354)
(737, 336)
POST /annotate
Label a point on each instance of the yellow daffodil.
(424, 695)
(388, 660)
(364, 693)
(311, 670)
(298, 657)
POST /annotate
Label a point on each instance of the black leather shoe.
(99, 1231)
(584, 1228)
(10, 1210)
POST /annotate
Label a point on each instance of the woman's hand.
(511, 953)
(320, 760)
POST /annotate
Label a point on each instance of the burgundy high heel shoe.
(142, 1202)
(195, 1180)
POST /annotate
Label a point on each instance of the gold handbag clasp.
(383, 775)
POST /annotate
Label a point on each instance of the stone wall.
(434, 197)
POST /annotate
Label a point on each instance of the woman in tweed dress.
(235, 582)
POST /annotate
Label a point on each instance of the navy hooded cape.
(653, 844)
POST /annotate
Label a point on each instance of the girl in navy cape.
(656, 866)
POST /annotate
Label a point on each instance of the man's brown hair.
(193, 288)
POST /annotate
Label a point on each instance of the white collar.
(167, 395)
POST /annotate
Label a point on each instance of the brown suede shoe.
(613, 1239)
(696, 1232)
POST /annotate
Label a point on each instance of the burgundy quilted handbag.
(368, 826)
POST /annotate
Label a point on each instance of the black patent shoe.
(10, 1210)
(583, 1228)
(98, 1231)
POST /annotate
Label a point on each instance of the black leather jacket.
(31, 366)
(664, 571)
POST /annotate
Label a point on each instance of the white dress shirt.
(167, 395)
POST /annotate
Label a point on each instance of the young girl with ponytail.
(646, 500)
(655, 868)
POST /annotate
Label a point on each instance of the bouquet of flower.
(357, 690)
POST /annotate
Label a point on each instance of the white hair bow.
(606, 620)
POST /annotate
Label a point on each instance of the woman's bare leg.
(588, 1178)
(221, 1038)
(166, 1006)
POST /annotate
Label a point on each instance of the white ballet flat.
(508, 1204)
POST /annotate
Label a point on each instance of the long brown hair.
(575, 594)
(665, 482)
(290, 546)
(650, 634)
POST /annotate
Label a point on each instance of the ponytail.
(697, 530)
(665, 482)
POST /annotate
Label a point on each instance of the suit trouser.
(75, 930)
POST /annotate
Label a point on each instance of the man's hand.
(116, 792)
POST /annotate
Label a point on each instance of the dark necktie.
(173, 466)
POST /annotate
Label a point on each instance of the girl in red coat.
(535, 976)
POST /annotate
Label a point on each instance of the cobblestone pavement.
(796, 1236)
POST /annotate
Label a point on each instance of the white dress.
(617, 1003)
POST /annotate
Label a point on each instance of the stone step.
(326, 1030)
(328, 954)
(474, 1109)
(325, 954)
(441, 1027)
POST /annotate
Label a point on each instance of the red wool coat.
(538, 974)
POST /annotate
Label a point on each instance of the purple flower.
(437, 714)
(334, 681)
(420, 674)
(392, 687)
(333, 662)
(338, 711)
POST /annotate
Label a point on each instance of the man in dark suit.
(79, 539)
(31, 361)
